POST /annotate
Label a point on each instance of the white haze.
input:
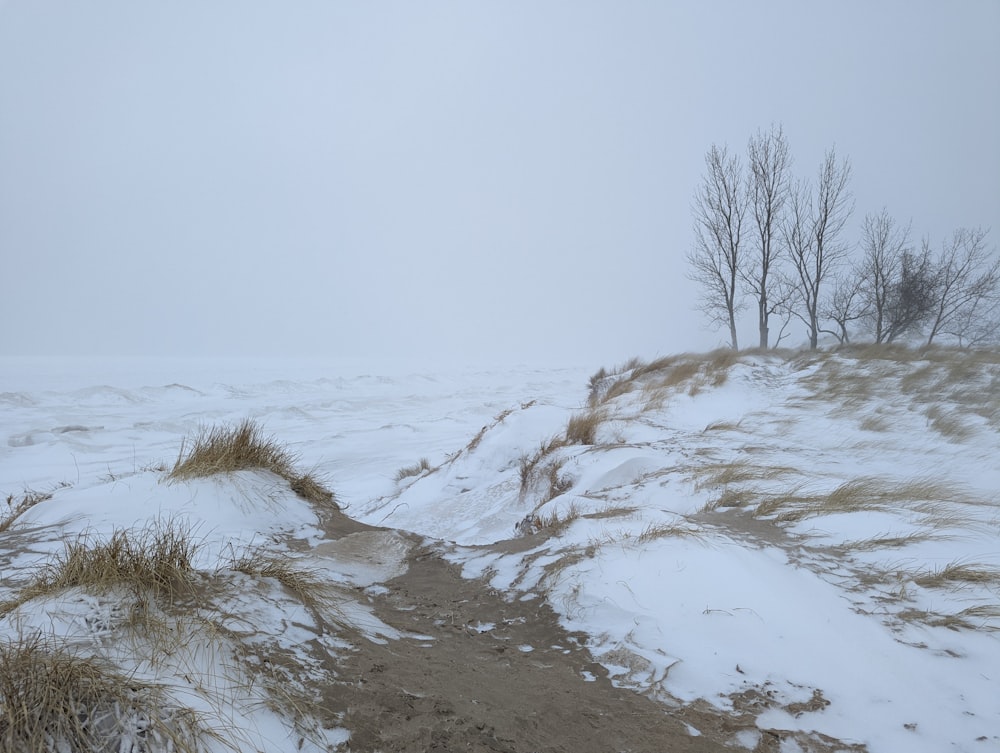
(459, 181)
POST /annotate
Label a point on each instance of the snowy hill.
(786, 551)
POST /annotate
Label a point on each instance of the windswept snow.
(811, 540)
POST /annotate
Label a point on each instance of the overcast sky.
(492, 180)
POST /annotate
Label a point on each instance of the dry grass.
(885, 542)
(655, 531)
(739, 472)
(528, 465)
(308, 586)
(17, 506)
(958, 573)
(497, 420)
(733, 478)
(865, 494)
(948, 424)
(981, 617)
(731, 498)
(875, 422)
(417, 469)
(676, 374)
(725, 426)
(663, 376)
(227, 449)
(596, 387)
(582, 427)
(557, 521)
(154, 561)
(304, 584)
(52, 701)
(557, 483)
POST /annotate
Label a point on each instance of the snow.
(683, 596)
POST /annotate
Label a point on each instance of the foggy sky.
(484, 180)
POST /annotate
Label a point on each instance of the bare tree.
(845, 306)
(882, 245)
(715, 258)
(767, 192)
(968, 285)
(811, 233)
(977, 325)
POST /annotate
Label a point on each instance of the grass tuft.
(417, 469)
(556, 521)
(227, 449)
(655, 531)
(155, 560)
(54, 701)
(17, 506)
(307, 586)
(582, 427)
(958, 573)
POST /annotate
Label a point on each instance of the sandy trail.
(485, 674)
(478, 672)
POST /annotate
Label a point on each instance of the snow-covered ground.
(812, 539)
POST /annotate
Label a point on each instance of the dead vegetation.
(306, 585)
(152, 562)
(656, 531)
(582, 427)
(498, 419)
(170, 622)
(417, 469)
(957, 573)
(53, 701)
(925, 496)
(18, 505)
(244, 446)
(662, 376)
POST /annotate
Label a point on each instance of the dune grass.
(582, 427)
(656, 531)
(958, 573)
(156, 560)
(417, 469)
(306, 585)
(925, 496)
(18, 505)
(244, 446)
(53, 701)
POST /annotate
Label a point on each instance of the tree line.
(765, 238)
